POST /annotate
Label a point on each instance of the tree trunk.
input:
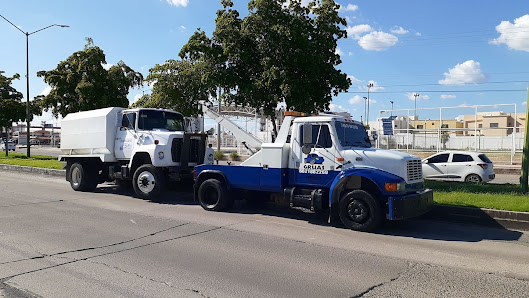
(274, 128)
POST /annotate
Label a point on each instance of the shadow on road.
(433, 226)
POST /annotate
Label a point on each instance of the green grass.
(39, 161)
(493, 196)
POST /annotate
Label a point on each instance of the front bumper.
(412, 205)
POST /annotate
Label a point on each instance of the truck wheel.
(148, 182)
(213, 196)
(360, 211)
(82, 177)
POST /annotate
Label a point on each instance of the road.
(55, 242)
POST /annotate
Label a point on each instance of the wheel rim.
(357, 211)
(146, 182)
(473, 179)
(211, 197)
(76, 176)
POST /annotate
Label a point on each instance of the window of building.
(444, 126)
(480, 125)
(493, 125)
(420, 126)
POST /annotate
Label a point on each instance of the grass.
(39, 161)
(493, 196)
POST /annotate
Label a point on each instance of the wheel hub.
(357, 211)
(146, 182)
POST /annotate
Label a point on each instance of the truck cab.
(324, 163)
(147, 147)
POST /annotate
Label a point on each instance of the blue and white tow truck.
(323, 163)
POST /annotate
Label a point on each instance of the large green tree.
(82, 83)
(11, 107)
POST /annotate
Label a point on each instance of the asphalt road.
(55, 242)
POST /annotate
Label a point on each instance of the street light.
(365, 107)
(368, 87)
(27, 75)
(391, 107)
(415, 117)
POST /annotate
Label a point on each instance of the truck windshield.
(150, 120)
(352, 135)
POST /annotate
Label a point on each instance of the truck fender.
(207, 174)
(375, 176)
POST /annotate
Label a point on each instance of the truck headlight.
(161, 155)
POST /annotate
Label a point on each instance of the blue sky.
(463, 50)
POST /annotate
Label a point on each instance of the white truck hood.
(404, 165)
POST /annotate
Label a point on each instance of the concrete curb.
(42, 171)
(481, 216)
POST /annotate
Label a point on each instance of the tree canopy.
(11, 107)
(82, 83)
(277, 53)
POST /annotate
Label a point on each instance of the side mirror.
(307, 133)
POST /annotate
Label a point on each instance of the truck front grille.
(176, 150)
(414, 168)
(194, 150)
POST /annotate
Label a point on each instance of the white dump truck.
(146, 146)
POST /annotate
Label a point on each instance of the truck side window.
(324, 140)
(129, 120)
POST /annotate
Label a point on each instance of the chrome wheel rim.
(146, 182)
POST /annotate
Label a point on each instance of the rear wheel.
(213, 196)
(473, 178)
(360, 211)
(148, 182)
(83, 177)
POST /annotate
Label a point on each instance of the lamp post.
(391, 107)
(415, 95)
(365, 107)
(27, 75)
(368, 87)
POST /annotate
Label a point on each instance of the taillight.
(194, 174)
(484, 166)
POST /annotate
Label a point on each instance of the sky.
(452, 53)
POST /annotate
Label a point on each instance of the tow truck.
(324, 163)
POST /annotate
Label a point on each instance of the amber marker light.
(390, 186)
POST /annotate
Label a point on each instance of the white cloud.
(418, 34)
(337, 108)
(107, 66)
(420, 97)
(524, 103)
(349, 7)
(447, 96)
(468, 72)
(178, 2)
(399, 30)
(339, 52)
(357, 99)
(353, 79)
(377, 41)
(375, 87)
(46, 91)
(514, 35)
(358, 30)
(136, 97)
(350, 53)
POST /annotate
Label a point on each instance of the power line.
(443, 91)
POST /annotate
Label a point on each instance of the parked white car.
(10, 145)
(464, 166)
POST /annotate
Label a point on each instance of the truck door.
(315, 165)
(126, 136)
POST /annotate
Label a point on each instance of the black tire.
(83, 177)
(360, 211)
(213, 196)
(148, 182)
(473, 178)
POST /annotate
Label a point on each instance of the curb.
(42, 171)
(480, 216)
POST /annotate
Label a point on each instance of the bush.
(219, 155)
(234, 156)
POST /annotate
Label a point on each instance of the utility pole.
(525, 156)
(415, 95)
(369, 86)
(365, 108)
(391, 107)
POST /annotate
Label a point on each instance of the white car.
(10, 145)
(464, 166)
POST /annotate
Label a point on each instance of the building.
(493, 123)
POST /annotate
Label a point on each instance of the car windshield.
(352, 135)
(151, 119)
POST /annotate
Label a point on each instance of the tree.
(11, 107)
(444, 138)
(82, 83)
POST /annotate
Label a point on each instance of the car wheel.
(360, 211)
(473, 178)
(148, 182)
(82, 177)
(213, 196)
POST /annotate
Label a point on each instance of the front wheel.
(213, 196)
(82, 177)
(360, 211)
(148, 182)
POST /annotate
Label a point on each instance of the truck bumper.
(407, 206)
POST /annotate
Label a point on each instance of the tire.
(148, 182)
(213, 196)
(473, 178)
(82, 177)
(360, 211)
